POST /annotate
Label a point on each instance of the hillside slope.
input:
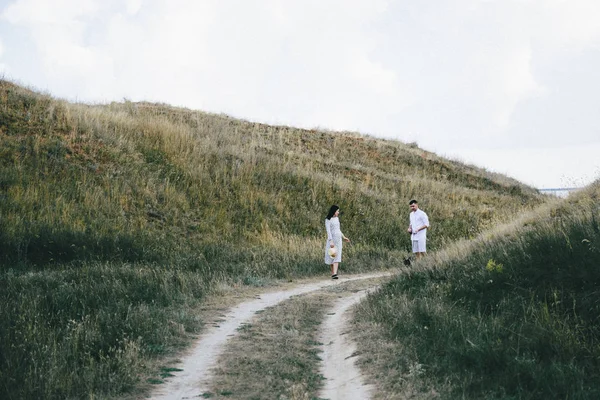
(117, 219)
(512, 315)
(113, 182)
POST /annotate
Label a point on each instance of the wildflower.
(492, 266)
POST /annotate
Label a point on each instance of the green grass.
(117, 220)
(512, 315)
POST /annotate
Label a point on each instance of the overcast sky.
(509, 85)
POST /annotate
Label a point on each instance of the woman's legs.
(334, 268)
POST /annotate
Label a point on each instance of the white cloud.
(372, 75)
(514, 82)
(133, 6)
(4, 69)
(568, 23)
(32, 13)
(541, 168)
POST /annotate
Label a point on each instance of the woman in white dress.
(334, 240)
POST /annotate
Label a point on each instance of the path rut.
(194, 379)
(343, 379)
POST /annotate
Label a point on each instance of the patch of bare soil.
(195, 369)
(343, 378)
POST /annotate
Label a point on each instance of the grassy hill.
(514, 314)
(117, 220)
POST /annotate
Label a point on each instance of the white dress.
(333, 233)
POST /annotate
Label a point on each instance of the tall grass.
(86, 329)
(512, 315)
(117, 219)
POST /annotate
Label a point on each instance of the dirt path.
(196, 366)
(343, 379)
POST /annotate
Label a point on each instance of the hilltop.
(117, 220)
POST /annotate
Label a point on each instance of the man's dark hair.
(410, 203)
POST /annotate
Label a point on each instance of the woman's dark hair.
(332, 211)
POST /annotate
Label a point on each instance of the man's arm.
(425, 222)
(421, 228)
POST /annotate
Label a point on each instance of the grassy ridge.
(512, 315)
(111, 180)
(117, 219)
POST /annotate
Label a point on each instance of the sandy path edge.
(196, 367)
(343, 378)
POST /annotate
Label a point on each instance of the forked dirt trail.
(194, 379)
(343, 379)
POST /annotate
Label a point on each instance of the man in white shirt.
(419, 222)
